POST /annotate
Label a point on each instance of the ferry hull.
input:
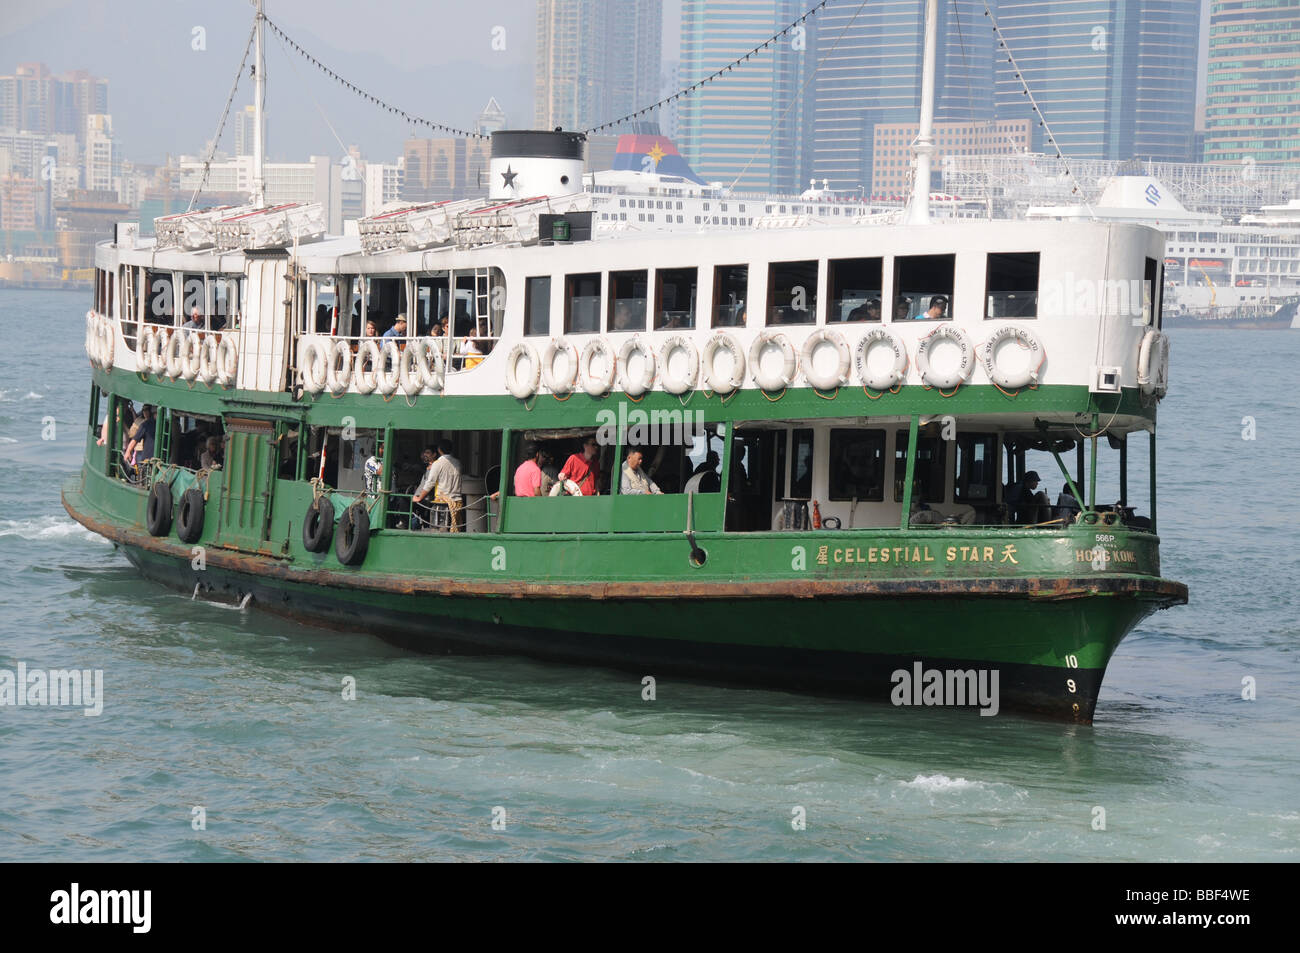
(837, 641)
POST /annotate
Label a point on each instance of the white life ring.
(518, 385)
(957, 375)
(558, 385)
(1021, 377)
(411, 368)
(679, 385)
(826, 381)
(172, 355)
(155, 363)
(145, 345)
(208, 359)
(389, 372)
(722, 341)
(107, 343)
(862, 356)
(313, 363)
(1153, 364)
(191, 356)
(365, 369)
(638, 385)
(596, 351)
(91, 329)
(338, 367)
(432, 369)
(789, 361)
(227, 360)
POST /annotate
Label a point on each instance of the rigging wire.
(221, 125)
(374, 100)
(716, 74)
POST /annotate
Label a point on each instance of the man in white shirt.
(633, 481)
(442, 480)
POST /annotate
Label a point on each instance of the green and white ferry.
(840, 417)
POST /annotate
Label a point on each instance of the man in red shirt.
(582, 468)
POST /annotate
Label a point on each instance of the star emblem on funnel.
(509, 175)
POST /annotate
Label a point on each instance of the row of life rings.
(101, 340)
(723, 363)
(383, 367)
(189, 356)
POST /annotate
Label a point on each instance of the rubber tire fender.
(353, 538)
(318, 525)
(189, 516)
(158, 509)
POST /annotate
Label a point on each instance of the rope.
(221, 125)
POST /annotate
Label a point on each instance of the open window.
(627, 300)
(977, 468)
(675, 292)
(582, 304)
(923, 287)
(857, 465)
(929, 474)
(1012, 283)
(160, 298)
(730, 294)
(792, 292)
(855, 289)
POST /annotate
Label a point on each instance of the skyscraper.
(596, 60)
(748, 126)
(870, 72)
(1115, 79)
(1252, 107)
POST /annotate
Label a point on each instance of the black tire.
(354, 535)
(189, 517)
(158, 510)
(318, 525)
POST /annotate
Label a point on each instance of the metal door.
(248, 482)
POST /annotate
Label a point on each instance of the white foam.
(940, 782)
(44, 528)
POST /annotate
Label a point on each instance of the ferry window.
(855, 289)
(537, 305)
(1149, 280)
(675, 290)
(730, 290)
(432, 304)
(857, 465)
(348, 321)
(159, 305)
(923, 283)
(627, 300)
(319, 322)
(385, 300)
(678, 453)
(801, 464)
(1012, 283)
(792, 292)
(194, 298)
(582, 304)
(928, 476)
(977, 468)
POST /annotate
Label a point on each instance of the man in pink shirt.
(528, 478)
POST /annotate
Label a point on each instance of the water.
(242, 714)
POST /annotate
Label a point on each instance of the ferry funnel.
(530, 163)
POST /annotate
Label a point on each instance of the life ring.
(1153, 364)
(432, 369)
(389, 371)
(313, 363)
(353, 537)
(410, 371)
(156, 340)
(1012, 380)
(862, 355)
(172, 355)
(158, 510)
(208, 359)
(826, 381)
(109, 338)
(90, 334)
(789, 361)
(558, 385)
(955, 377)
(227, 361)
(640, 384)
(144, 347)
(722, 341)
(519, 386)
(679, 385)
(597, 350)
(338, 374)
(191, 356)
(189, 516)
(318, 525)
(365, 371)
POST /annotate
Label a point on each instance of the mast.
(918, 209)
(259, 115)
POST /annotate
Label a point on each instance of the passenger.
(371, 331)
(141, 445)
(938, 309)
(706, 478)
(550, 472)
(902, 308)
(195, 323)
(1027, 502)
(442, 479)
(633, 481)
(1067, 507)
(322, 319)
(470, 350)
(581, 469)
(374, 470)
(213, 455)
(398, 330)
(529, 476)
(868, 311)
